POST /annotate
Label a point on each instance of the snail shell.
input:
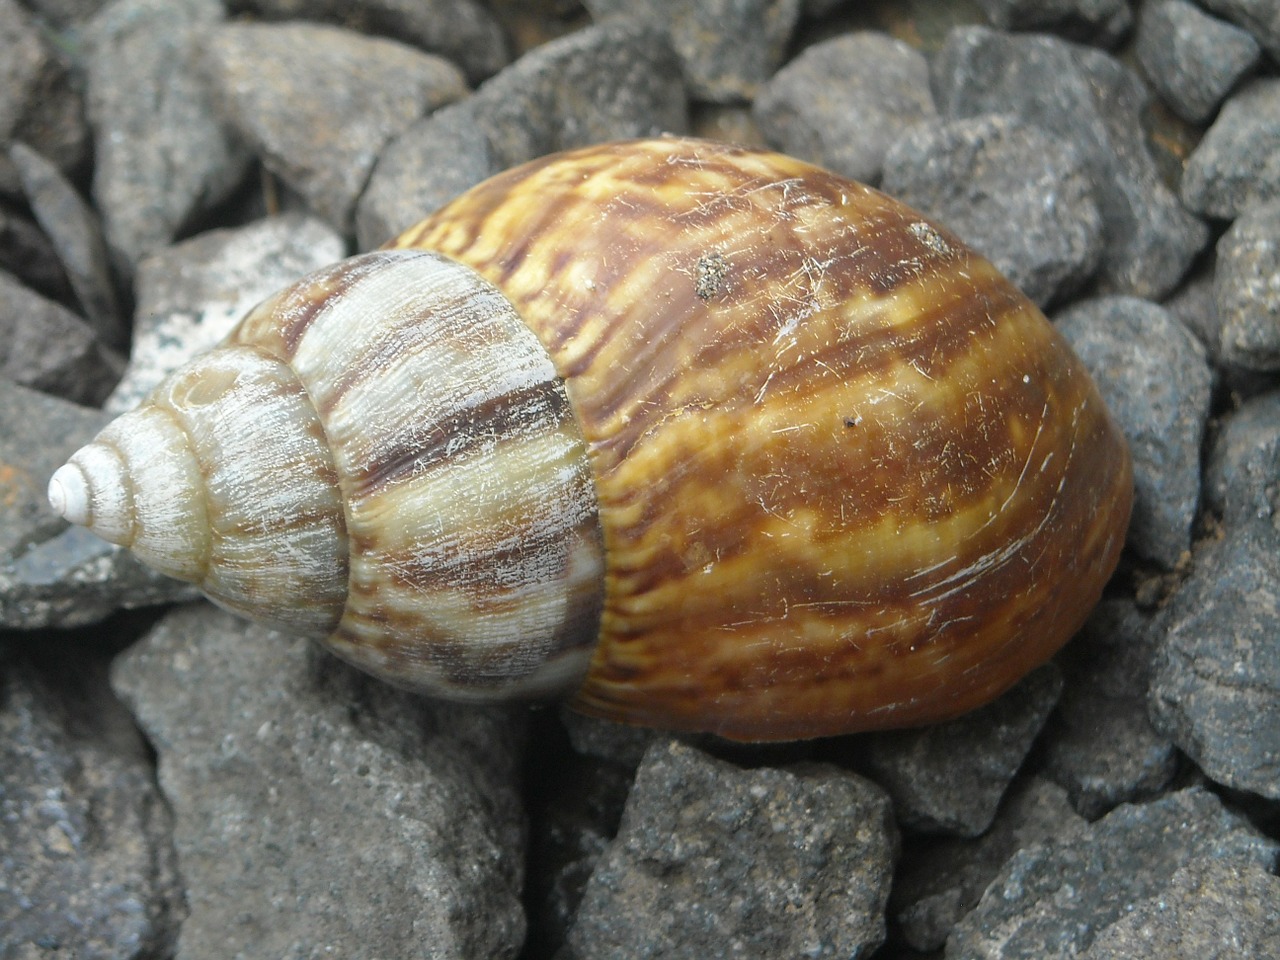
(705, 437)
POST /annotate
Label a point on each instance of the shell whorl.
(413, 443)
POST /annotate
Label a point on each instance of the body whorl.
(848, 476)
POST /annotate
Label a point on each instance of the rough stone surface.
(1053, 898)
(727, 48)
(40, 104)
(1246, 288)
(712, 860)
(1155, 379)
(1089, 21)
(89, 870)
(1236, 167)
(360, 92)
(73, 228)
(949, 777)
(47, 347)
(1021, 197)
(940, 880)
(1209, 911)
(1260, 17)
(162, 158)
(191, 294)
(1100, 744)
(66, 13)
(1091, 100)
(1244, 467)
(608, 82)
(317, 811)
(1192, 59)
(843, 102)
(463, 31)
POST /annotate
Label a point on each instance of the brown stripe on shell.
(863, 484)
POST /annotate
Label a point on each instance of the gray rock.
(1260, 17)
(727, 48)
(949, 777)
(191, 294)
(463, 31)
(317, 810)
(608, 82)
(1021, 197)
(40, 104)
(1192, 59)
(72, 227)
(1155, 379)
(712, 860)
(940, 880)
(1088, 21)
(1237, 164)
(162, 158)
(318, 103)
(1209, 911)
(842, 102)
(29, 255)
(1246, 288)
(1053, 899)
(89, 867)
(1099, 744)
(47, 347)
(1243, 466)
(64, 14)
(1091, 100)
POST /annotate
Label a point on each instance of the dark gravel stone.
(1093, 101)
(1237, 165)
(712, 860)
(89, 868)
(727, 48)
(161, 157)
(62, 14)
(843, 102)
(314, 806)
(1019, 196)
(1192, 59)
(1246, 288)
(940, 880)
(1103, 22)
(41, 104)
(949, 777)
(1099, 744)
(1053, 898)
(45, 346)
(1260, 17)
(1154, 377)
(463, 31)
(1244, 465)
(29, 255)
(609, 82)
(360, 92)
(1210, 911)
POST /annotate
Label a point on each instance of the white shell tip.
(69, 494)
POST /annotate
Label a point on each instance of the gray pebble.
(89, 867)
(41, 104)
(315, 807)
(609, 82)
(463, 31)
(29, 255)
(1191, 58)
(1053, 899)
(1155, 379)
(63, 14)
(1246, 289)
(1102, 22)
(711, 860)
(45, 346)
(318, 103)
(842, 103)
(1021, 197)
(1210, 911)
(1237, 164)
(72, 227)
(949, 777)
(1260, 17)
(1244, 465)
(162, 159)
(727, 48)
(1100, 744)
(1093, 101)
